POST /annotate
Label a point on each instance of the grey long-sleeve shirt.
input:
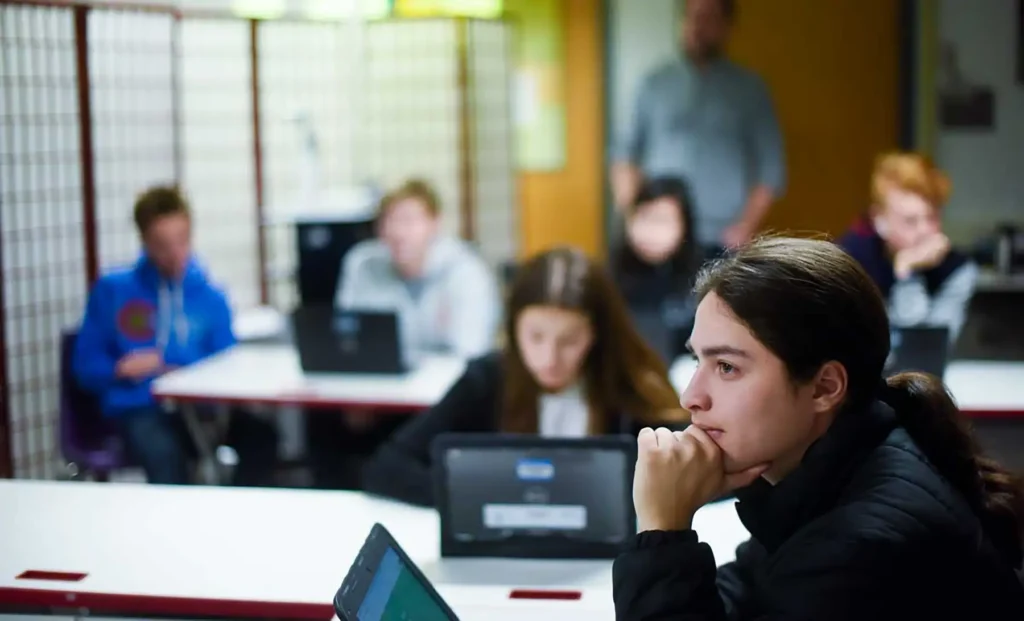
(911, 305)
(455, 308)
(715, 127)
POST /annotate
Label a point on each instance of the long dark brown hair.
(685, 260)
(621, 374)
(809, 303)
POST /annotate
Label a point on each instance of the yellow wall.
(566, 206)
(833, 67)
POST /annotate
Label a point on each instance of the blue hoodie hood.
(137, 309)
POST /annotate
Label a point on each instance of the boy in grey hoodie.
(446, 298)
(445, 295)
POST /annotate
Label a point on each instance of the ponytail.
(926, 410)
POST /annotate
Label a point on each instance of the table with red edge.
(212, 552)
(270, 374)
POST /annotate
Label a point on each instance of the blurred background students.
(901, 245)
(447, 301)
(160, 314)
(572, 366)
(711, 122)
(656, 261)
(444, 293)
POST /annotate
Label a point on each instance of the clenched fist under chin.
(678, 472)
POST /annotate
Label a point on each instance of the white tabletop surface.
(259, 322)
(264, 546)
(979, 387)
(271, 374)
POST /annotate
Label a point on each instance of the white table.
(242, 553)
(252, 374)
(270, 374)
(981, 388)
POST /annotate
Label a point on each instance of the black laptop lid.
(530, 497)
(920, 348)
(342, 341)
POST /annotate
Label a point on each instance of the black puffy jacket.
(864, 529)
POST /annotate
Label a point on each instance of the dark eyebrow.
(719, 350)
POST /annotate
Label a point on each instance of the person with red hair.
(901, 245)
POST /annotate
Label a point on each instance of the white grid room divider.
(413, 115)
(131, 65)
(492, 151)
(411, 119)
(217, 152)
(41, 239)
(305, 76)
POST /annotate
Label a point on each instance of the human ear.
(830, 385)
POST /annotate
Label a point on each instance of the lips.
(713, 432)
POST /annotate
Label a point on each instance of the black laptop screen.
(498, 493)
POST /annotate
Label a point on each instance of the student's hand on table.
(928, 253)
(359, 419)
(677, 473)
(140, 364)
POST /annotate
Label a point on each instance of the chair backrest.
(82, 427)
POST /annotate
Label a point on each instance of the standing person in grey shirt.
(711, 122)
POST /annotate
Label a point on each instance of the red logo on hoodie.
(135, 320)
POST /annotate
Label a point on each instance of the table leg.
(206, 439)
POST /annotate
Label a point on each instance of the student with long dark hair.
(572, 366)
(657, 260)
(865, 497)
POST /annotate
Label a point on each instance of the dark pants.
(338, 452)
(159, 441)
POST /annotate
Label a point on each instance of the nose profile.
(548, 356)
(696, 398)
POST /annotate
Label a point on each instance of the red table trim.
(109, 603)
(320, 403)
(1004, 414)
(53, 576)
(296, 400)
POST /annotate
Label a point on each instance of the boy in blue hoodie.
(140, 322)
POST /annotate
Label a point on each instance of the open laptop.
(342, 341)
(532, 511)
(383, 583)
(920, 348)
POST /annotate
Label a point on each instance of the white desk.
(271, 375)
(982, 388)
(260, 322)
(234, 552)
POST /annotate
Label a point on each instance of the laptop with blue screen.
(383, 584)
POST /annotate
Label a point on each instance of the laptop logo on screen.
(535, 470)
(346, 327)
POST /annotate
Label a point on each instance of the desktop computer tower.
(321, 248)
